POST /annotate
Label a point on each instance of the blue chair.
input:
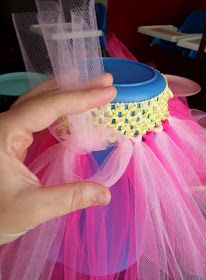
(101, 13)
(195, 22)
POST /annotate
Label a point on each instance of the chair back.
(195, 22)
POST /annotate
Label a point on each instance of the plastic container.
(134, 81)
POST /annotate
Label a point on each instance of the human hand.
(24, 203)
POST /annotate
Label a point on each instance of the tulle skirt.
(154, 227)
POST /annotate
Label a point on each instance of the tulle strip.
(200, 117)
(61, 41)
(62, 161)
(170, 223)
(32, 256)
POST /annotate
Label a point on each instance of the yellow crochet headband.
(135, 118)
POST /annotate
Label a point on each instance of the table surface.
(191, 43)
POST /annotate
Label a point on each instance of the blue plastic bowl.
(134, 81)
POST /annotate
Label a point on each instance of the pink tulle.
(200, 116)
(154, 227)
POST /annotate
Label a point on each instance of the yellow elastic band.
(135, 118)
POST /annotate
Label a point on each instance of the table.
(165, 32)
(191, 43)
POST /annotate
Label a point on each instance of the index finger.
(37, 113)
(102, 81)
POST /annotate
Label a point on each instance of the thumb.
(51, 202)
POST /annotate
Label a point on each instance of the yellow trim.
(134, 118)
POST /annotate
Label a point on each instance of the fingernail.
(110, 76)
(110, 91)
(101, 198)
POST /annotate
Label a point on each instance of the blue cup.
(135, 82)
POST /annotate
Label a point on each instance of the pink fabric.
(155, 218)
